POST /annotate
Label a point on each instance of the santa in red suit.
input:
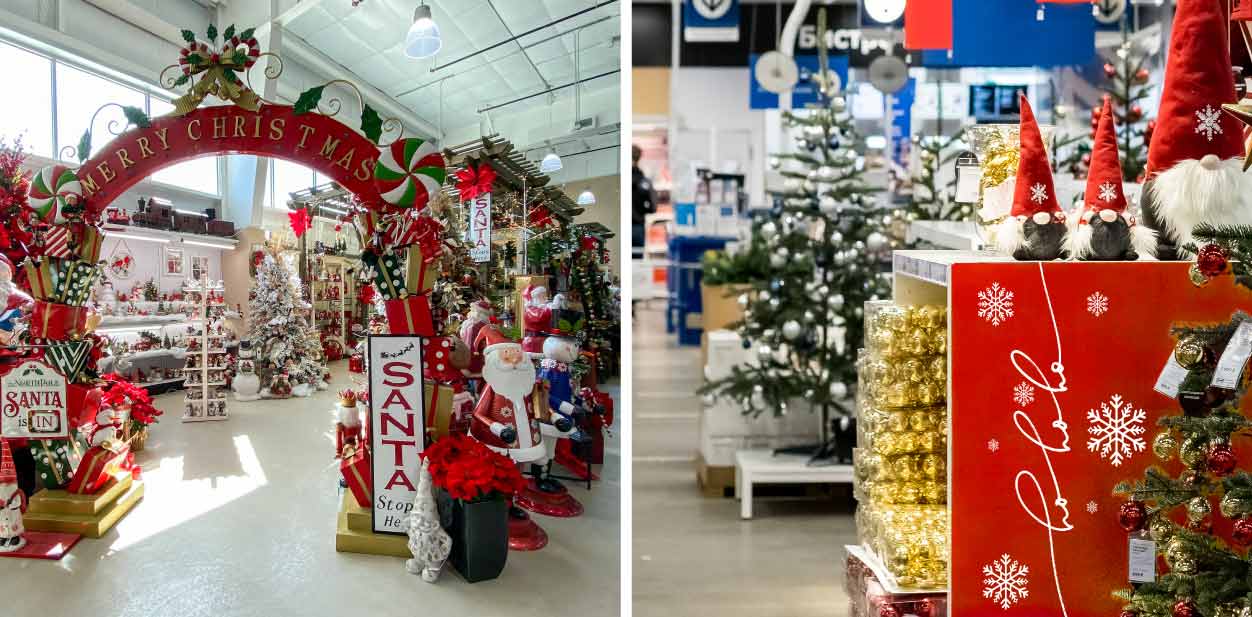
(537, 319)
(504, 418)
(479, 316)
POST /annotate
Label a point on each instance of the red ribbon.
(475, 181)
(540, 217)
(301, 221)
(429, 237)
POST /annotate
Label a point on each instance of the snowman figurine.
(12, 504)
(246, 384)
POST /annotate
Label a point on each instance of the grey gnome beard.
(1111, 241)
(1041, 242)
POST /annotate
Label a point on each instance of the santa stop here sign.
(397, 431)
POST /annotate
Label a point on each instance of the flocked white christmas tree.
(288, 359)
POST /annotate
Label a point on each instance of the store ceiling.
(368, 40)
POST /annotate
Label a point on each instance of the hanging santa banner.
(34, 403)
(397, 435)
(480, 228)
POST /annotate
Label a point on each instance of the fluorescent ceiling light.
(550, 163)
(134, 237)
(423, 40)
(586, 198)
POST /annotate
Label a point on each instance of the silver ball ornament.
(791, 329)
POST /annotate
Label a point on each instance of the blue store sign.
(711, 21)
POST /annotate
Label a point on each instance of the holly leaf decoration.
(308, 100)
(240, 58)
(230, 31)
(371, 124)
(137, 117)
(194, 59)
(189, 36)
(212, 33)
(247, 34)
(182, 79)
(84, 146)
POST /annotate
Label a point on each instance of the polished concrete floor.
(693, 555)
(239, 520)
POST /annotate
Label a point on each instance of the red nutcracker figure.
(347, 422)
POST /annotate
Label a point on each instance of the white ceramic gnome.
(12, 504)
(428, 542)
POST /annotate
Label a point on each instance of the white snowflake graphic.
(1038, 193)
(1023, 394)
(1116, 429)
(993, 445)
(1097, 304)
(995, 304)
(1208, 122)
(1005, 581)
(1108, 192)
(1092, 507)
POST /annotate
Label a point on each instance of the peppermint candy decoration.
(50, 189)
(408, 172)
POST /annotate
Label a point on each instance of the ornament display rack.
(205, 383)
(337, 297)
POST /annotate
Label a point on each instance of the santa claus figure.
(1103, 230)
(14, 303)
(537, 319)
(504, 418)
(1195, 160)
(1035, 228)
(479, 315)
(347, 422)
(12, 503)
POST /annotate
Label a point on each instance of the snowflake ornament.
(1116, 430)
(1208, 122)
(1092, 507)
(995, 304)
(1023, 394)
(1108, 192)
(1005, 581)
(993, 445)
(1038, 193)
(1097, 304)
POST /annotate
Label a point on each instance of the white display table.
(764, 467)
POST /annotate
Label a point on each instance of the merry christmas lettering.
(313, 139)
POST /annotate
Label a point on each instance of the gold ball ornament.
(1199, 279)
(1234, 506)
(1189, 353)
(1178, 558)
(1161, 529)
(1198, 508)
(1164, 445)
(1192, 451)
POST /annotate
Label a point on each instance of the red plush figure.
(537, 318)
(504, 419)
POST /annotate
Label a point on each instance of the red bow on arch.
(475, 181)
(540, 217)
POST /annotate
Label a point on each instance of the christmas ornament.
(1221, 460)
(1131, 515)
(791, 329)
(1211, 261)
(409, 171)
(1161, 529)
(1177, 557)
(1198, 508)
(53, 189)
(1192, 451)
(1164, 445)
(1189, 352)
(1197, 277)
(1186, 608)
(888, 610)
(1242, 532)
(838, 390)
(1234, 506)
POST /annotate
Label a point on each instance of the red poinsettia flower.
(469, 470)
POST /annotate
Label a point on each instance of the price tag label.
(968, 177)
(1230, 366)
(1171, 377)
(1142, 560)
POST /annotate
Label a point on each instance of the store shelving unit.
(206, 355)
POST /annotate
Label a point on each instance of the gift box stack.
(900, 462)
(405, 283)
(867, 598)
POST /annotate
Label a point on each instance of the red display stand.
(560, 504)
(47, 545)
(1052, 368)
(525, 534)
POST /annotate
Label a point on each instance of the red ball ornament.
(1185, 608)
(1141, 76)
(924, 608)
(1131, 516)
(1242, 533)
(1128, 613)
(1086, 158)
(1135, 113)
(1109, 70)
(888, 610)
(1211, 260)
(1221, 460)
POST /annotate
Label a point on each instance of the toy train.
(157, 213)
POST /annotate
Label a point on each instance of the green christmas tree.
(1128, 88)
(1205, 575)
(929, 201)
(829, 245)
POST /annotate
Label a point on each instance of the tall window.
(26, 106)
(79, 95)
(197, 174)
(285, 178)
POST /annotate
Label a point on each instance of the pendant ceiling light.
(423, 40)
(550, 163)
(586, 198)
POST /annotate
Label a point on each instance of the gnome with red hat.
(1195, 158)
(1103, 230)
(12, 503)
(1035, 227)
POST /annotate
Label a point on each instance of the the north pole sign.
(33, 403)
(397, 427)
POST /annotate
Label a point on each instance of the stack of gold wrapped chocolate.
(902, 448)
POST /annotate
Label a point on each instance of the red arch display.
(315, 140)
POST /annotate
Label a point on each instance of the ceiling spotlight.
(423, 40)
(550, 163)
(586, 198)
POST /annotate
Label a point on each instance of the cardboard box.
(723, 351)
(720, 309)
